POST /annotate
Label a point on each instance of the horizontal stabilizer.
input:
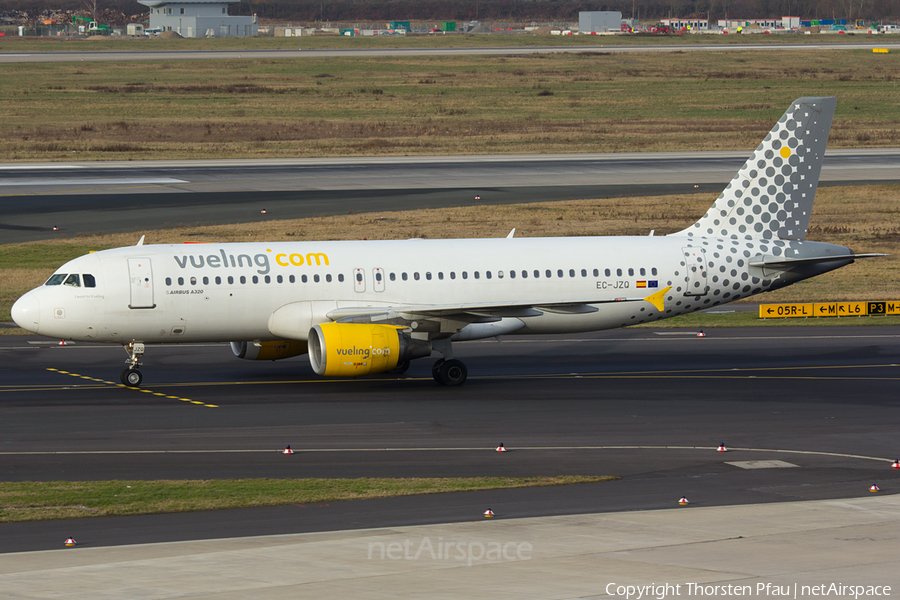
(787, 263)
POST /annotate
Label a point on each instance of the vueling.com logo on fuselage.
(261, 261)
(363, 352)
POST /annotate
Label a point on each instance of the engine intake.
(268, 350)
(354, 349)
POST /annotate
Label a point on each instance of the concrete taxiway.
(780, 550)
(300, 53)
(130, 196)
(650, 406)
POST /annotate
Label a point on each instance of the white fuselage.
(228, 292)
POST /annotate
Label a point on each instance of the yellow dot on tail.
(785, 152)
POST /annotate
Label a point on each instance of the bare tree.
(91, 7)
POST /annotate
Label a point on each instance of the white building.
(199, 18)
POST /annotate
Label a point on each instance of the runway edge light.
(683, 501)
(896, 464)
(488, 513)
(722, 448)
(874, 488)
(501, 448)
(288, 450)
(70, 542)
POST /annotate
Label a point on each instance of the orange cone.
(722, 448)
(501, 448)
(288, 450)
(896, 464)
(488, 513)
(874, 488)
(683, 501)
(70, 542)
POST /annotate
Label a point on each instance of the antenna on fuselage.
(140, 241)
(511, 234)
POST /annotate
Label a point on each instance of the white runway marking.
(105, 181)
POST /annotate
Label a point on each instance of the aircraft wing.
(485, 310)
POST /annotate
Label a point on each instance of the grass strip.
(435, 105)
(41, 501)
(333, 42)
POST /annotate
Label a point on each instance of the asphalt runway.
(299, 52)
(85, 198)
(649, 406)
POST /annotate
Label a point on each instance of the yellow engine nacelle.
(356, 349)
(268, 350)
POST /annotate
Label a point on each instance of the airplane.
(365, 307)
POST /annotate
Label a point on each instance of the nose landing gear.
(131, 376)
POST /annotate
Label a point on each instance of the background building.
(199, 18)
(599, 21)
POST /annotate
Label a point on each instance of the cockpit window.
(89, 280)
(74, 280)
(56, 279)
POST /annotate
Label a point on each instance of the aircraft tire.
(132, 378)
(453, 373)
(436, 371)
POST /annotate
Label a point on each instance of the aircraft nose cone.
(26, 312)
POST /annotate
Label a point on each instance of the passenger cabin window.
(56, 279)
(73, 280)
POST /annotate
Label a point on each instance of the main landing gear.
(448, 370)
(131, 376)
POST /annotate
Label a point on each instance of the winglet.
(656, 299)
(140, 241)
(511, 234)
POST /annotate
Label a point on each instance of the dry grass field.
(865, 218)
(543, 103)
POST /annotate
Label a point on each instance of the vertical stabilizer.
(772, 194)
